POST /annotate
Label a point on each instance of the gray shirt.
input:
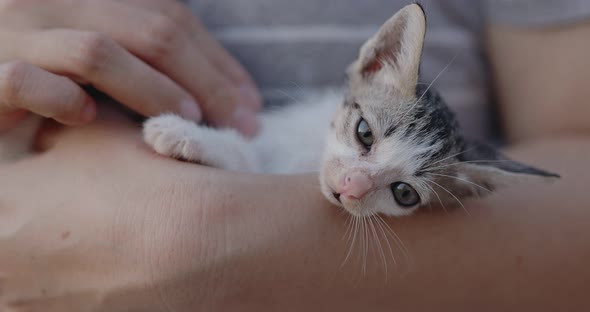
(295, 46)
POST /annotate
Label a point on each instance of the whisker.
(386, 240)
(359, 254)
(453, 195)
(348, 225)
(371, 242)
(354, 231)
(437, 196)
(366, 249)
(359, 235)
(462, 180)
(400, 106)
(467, 162)
(429, 86)
(446, 158)
(378, 244)
(396, 239)
(361, 244)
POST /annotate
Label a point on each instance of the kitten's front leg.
(173, 136)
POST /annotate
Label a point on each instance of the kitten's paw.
(172, 136)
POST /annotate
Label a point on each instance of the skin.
(140, 232)
(541, 79)
(149, 55)
(153, 234)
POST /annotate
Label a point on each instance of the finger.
(163, 44)
(98, 59)
(24, 86)
(224, 62)
(208, 45)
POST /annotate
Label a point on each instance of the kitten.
(387, 145)
(391, 147)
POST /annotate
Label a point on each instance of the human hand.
(152, 56)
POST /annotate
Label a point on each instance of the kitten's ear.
(485, 166)
(393, 54)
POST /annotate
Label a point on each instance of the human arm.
(152, 56)
(541, 77)
(138, 231)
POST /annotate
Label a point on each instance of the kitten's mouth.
(337, 196)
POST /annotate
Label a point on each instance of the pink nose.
(356, 184)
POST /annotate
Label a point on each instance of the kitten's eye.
(364, 134)
(404, 194)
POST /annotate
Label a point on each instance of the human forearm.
(524, 248)
(156, 234)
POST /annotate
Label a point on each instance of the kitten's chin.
(359, 213)
(353, 208)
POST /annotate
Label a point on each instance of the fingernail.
(250, 97)
(190, 109)
(88, 112)
(244, 119)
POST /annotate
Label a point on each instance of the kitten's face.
(393, 145)
(381, 149)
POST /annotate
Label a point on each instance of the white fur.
(173, 136)
(299, 129)
(300, 137)
(297, 139)
(290, 140)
